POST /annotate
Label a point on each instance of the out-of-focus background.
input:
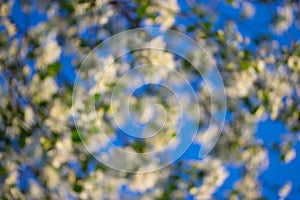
(254, 44)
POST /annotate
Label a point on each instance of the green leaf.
(173, 135)
(66, 5)
(141, 10)
(96, 97)
(2, 171)
(207, 25)
(54, 68)
(75, 136)
(139, 146)
(77, 188)
(191, 28)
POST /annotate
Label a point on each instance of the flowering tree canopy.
(63, 81)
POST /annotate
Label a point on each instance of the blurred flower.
(49, 53)
(285, 190)
(248, 10)
(290, 155)
(284, 19)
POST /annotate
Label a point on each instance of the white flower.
(52, 177)
(12, 178)
(243, 83)
(50, 52)
(29, 115)
(294, 62)
(10, 27)
(285, 190)
(43, 90)
(36, 191)
(216, 174)
(284, 21)
(166, 10)
(248, 187)
(248, 10)
(26, 70)
(261, 65)
(58, 117)
(255, 158)
(47, 89)
(160, 63)
(290, 155)
(62, 152)
(144, 181)
(5, 9)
